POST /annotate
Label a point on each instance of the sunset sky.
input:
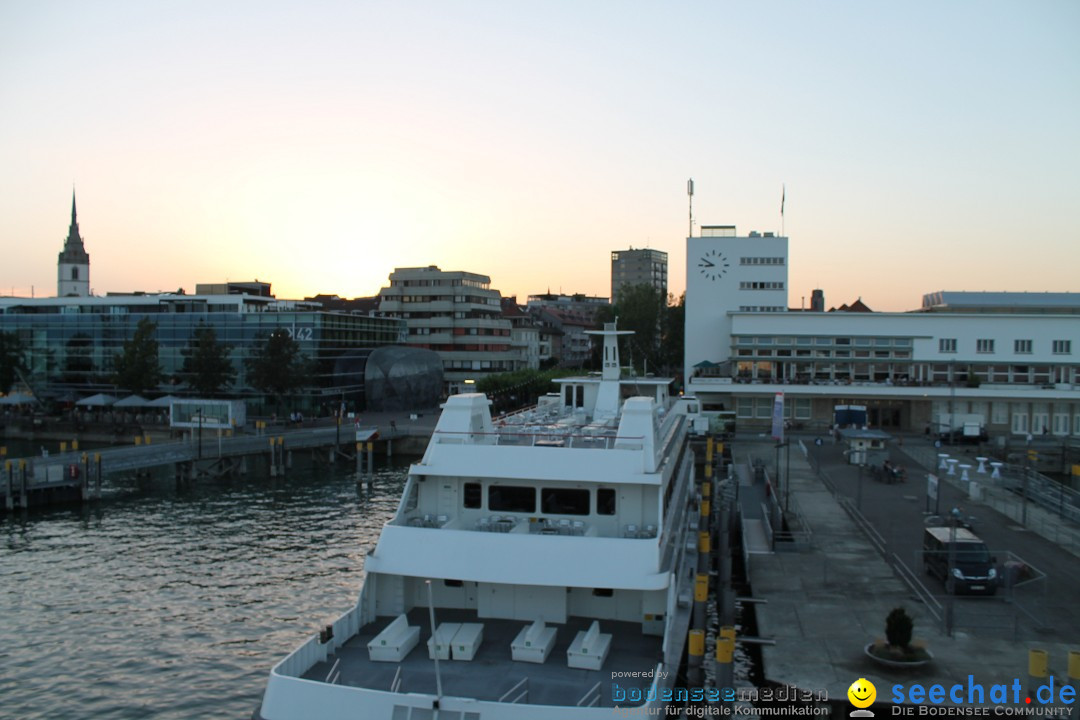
(318, 145)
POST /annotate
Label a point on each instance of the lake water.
(167, 602)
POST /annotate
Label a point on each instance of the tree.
(12, 359)
(207, 367)
(641, 308)
(136, 368)
(277, 368)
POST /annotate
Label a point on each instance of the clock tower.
(73, 266)
(725, 274)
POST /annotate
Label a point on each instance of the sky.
(920, 146)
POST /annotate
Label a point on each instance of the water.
(166, 602)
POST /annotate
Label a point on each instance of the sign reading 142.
(713, 265)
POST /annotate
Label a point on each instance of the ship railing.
(543, 436)
(590, 698)
(334, 674)
(395, 684)
(522, 692)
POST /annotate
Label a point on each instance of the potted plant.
(897, 650)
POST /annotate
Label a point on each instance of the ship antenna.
(690, 195)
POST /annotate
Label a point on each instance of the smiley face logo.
(862, 693)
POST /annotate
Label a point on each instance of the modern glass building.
(72, 341)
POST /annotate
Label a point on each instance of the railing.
(523, 695)
(545, 436)
(591, 698)
(395, 684)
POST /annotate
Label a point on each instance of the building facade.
(1011, 361)
(639, 267)
(72, 341)
(456, 314)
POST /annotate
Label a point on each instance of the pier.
(76, 475)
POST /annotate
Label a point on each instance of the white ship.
(554, 552)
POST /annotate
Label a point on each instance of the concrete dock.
(827, 601)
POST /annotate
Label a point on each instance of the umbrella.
(17, 399)
(132, 401)
(162, 402)
(99, 400)
(707, 364)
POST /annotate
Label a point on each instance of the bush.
(898, 628)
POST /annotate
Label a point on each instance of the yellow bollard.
(75, 445)
(371, 447)
(146, 438)
(63, 446)
(725, 650)
(701, 588)
(138, 439)
(705, 507)
(3, 450)
(697, 643)
(728, 631)
(281, 440)
(708, 451)
(1074, 666)
(271, 442)
(708, 472)
(706, 490)
(703, 543)
(1038, 662)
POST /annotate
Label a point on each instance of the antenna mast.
(690, 194)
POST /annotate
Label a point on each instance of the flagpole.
(783, 197)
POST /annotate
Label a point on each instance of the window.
(511, 498)
(472, 495)
(564, 501)
(1063, 347)
(605, 501)
(74, 273)
(1022, 347)
(947, 345)
(984, 346)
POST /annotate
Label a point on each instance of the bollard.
(725, 657)
(371, 460)
(9, 499)
(1038, 665)
(63, 446)
(708, 452)
(695, 657)
(97, 476)
(146, 438)
(75, 445)
(138, 440)
(1074, 670)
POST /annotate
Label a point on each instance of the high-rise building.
(73, 265)
(457, 315)
(638, 267)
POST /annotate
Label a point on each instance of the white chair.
(631, 531)
(534, 642)
(589, 649)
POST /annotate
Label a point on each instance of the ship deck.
(492, 673)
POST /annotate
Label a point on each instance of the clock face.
(713, 265)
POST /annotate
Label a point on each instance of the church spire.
(73, 265)
(74, 223)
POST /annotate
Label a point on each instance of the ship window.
(564, 501)
(512, 498)
(472, 495)
(603, 592)
(453, 583)
(605, 501)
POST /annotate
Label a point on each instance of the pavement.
(826, 603)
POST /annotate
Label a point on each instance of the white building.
(1007, 357)
(457, 315)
